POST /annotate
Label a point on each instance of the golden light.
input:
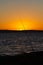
(19, 26)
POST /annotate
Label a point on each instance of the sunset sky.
(21, 14)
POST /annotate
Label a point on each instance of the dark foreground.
(20, 42)
(23, 59)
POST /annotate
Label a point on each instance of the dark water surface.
(18, 42)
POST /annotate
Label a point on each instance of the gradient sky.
(21, 14)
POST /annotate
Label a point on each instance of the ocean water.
(12, 43)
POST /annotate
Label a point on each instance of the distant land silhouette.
(21, 30)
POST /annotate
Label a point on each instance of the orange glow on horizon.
(21, 25)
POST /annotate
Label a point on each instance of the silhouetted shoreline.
(31, 58)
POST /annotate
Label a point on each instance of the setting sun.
(21, 15)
